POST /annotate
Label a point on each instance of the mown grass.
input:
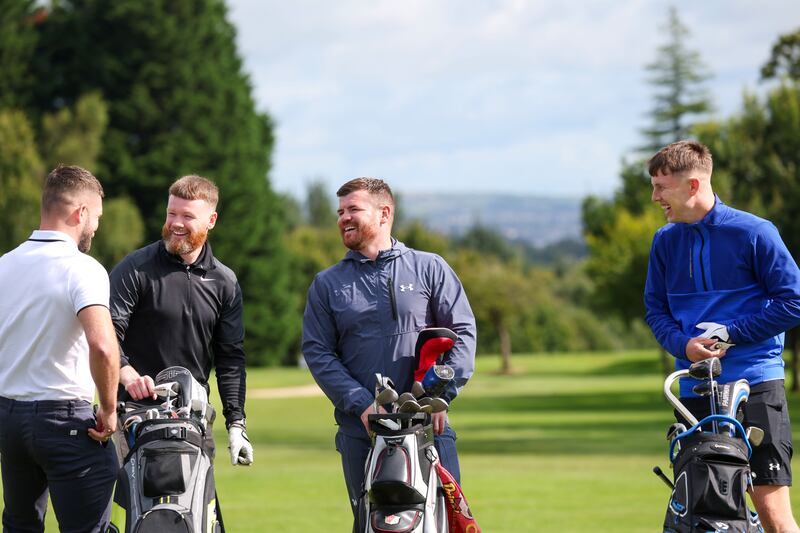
(566, 443)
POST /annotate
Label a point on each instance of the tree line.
(142, 92)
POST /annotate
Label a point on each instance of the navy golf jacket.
(362, 317)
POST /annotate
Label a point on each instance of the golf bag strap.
(168, 433)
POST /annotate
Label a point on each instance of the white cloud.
(546, 95)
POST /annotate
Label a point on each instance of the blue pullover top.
(362, 317)
(731, 268)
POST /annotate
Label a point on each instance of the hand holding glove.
(717, 332)
(239, 445)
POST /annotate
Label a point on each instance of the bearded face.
(186, 227)
(182, 240)
(85, 240)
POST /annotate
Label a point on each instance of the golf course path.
(285, 392)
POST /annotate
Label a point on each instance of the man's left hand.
(239, 445)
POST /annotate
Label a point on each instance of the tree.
(21, 173)
(179, 104)
(784, 59)
(499, 296)
(618, 248)
(17, 45)
(677, 75)
(757, 155)
(318, 206)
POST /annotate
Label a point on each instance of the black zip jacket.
(167, 313)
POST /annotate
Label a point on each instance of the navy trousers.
(44, 446)
(354, 452)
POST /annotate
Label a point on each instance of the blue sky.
(527, 97)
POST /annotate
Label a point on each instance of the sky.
(531, 97)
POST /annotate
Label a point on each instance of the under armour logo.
(409, 287)
(775, 466)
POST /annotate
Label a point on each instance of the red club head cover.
(431, 343)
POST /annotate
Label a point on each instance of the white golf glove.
(718, 332)
(239, 445)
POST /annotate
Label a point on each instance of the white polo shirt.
(44, 283)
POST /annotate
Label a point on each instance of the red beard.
(185, 245)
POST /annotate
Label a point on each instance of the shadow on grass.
(629, 367)
(563, 403)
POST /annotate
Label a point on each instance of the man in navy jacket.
(363, 315)
(720, 274)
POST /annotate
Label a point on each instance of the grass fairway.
(565, 444)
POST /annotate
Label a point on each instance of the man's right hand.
(699, 348)
(368, 411)
(106, 424)
(138, 387)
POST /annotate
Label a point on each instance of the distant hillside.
(533, 219)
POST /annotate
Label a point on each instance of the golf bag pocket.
(719, 489)
(164, 470)
(388, 521)
(392, 478)
(159, 520)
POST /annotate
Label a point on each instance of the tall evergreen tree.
(677, 75)
(614, 228)
(179, 103)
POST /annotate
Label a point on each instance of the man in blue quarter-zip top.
(363, 315)
(721, 283)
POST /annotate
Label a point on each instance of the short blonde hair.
(195, 187)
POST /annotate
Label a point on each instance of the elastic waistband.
(42, 406)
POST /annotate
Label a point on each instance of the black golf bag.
(710, 459)
(402, 488)
(712, 475)
(166, 483)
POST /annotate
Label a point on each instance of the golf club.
(709, 368)
(731, 397)
(409, 406)
(682, 410)
(755, 435)
(417, 389)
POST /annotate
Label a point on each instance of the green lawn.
(566, 444)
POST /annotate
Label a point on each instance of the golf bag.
(403, 491)
(710, 460)
(712, 475)
(406, 488)
(166, 483)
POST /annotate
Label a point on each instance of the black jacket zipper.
(702, 270)
(392, 302)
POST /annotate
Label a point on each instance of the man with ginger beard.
(174, 304)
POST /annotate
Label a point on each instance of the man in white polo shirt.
(56, 343)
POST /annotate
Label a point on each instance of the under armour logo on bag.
(409, 287)
(775, 466)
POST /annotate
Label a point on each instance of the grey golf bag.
(403, 491)
(166, 483)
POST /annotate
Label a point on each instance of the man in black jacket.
(174, 304)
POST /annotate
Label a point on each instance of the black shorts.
(771, 462)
